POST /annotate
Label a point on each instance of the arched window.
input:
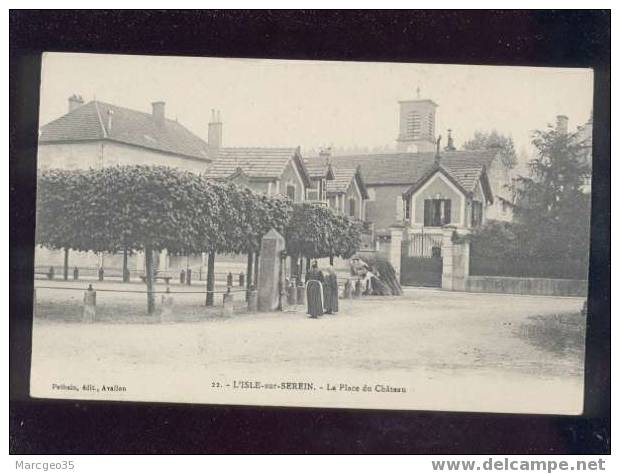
(352, 207)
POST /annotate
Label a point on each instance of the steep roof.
(409, 168)
(342, 180)
(256, 163)
(465, 178)
(90, 122)
(319, 168)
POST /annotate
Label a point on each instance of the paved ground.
(450, 351)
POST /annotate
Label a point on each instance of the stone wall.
(526, 286)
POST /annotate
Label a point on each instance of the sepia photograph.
(301, 233)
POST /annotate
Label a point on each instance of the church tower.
(417, 125)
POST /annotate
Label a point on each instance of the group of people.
(376, 277)
(321, 290)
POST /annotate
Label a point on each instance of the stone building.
(98, 134)
(390, 177)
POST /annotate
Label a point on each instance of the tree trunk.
(301, 268)
(125, 267)
(66, 266)
(149, 274)
(331, 259)
(210, 279)
(249, 270)
(256, 258)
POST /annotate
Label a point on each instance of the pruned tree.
(58, 195)
(317, 232)
(143, 208)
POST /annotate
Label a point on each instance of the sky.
(314, 104)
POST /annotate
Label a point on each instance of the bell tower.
(417, 125)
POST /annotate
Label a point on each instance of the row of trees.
(154, 208)
(550, 232)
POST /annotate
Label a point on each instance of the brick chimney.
(159, 112)
(561, 124)
(75, 101)
(215, 131)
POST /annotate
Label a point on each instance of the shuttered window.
(437, 212)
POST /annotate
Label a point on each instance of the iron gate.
(421, 262)
(421, 271)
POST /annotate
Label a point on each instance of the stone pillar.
(166, 314)
(228, 306)
(455, 254)
(90, 303)
(268, 283)
(394, 253)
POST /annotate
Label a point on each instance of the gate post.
(395, 251)
(455, 253)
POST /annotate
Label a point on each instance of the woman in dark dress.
(330, 291)
(314, 290)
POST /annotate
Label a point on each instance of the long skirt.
(330, 295)
(314, 297)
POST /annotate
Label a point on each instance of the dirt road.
(446, 350)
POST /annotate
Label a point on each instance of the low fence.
(524, 286)
(56, 272)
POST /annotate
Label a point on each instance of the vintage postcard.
(312, 234)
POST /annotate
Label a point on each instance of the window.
(407, 208)
(437, 212)
(476, 213)
(352, 207)
(290, 191)
(312, 193)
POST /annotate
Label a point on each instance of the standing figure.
(314, 290)
(330, 291)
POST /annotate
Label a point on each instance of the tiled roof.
(342, 180)
(256, 163)
(409, 168)
(317, 167)
(90, 122)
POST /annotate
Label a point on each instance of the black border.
(535, 38)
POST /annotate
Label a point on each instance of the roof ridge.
(105, 132)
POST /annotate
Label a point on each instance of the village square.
(165, 255)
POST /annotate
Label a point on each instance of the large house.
(98, 134)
